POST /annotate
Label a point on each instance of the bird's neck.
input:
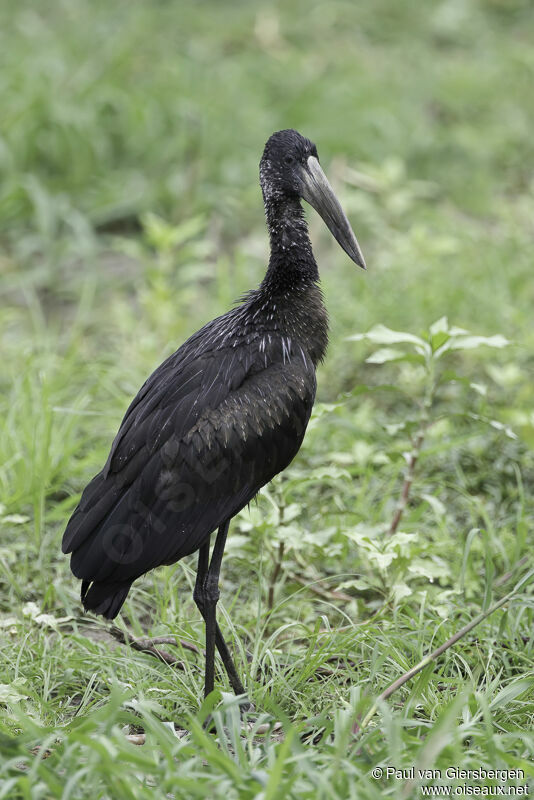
(291, 262)
(289, 296)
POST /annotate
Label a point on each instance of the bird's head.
(289, 168)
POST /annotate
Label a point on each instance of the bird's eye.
(289, 160)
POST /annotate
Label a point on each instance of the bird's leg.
(227, 660)
(206, 594)
(211, 594)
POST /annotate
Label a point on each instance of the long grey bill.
(320, 195)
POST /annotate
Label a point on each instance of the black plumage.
(220, 417)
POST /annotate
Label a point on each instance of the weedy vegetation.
(130, 214)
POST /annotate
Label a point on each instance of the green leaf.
(440, 326)
(510, 692)
(472, 342)
(360, 584)
(455, 331)
(319, 412)
(383, 355)
(400, 591)
(15, 519)
(291, 512)
(388, 354)
(382, 560)
(10, 694)
(439, 339)
(382, 335)
(424, 568)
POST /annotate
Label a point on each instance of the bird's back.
(211, 426)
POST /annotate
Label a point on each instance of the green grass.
(130, 214)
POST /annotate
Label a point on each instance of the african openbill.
(220, 417)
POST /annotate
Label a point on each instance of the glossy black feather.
(212, 425)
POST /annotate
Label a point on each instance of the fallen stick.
(149, 646)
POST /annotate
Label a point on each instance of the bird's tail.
(104, 598)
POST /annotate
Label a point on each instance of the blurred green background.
(130, 214)
(112, 111)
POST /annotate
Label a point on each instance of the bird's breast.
(288, 325)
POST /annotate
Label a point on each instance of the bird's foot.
(245, 706)
(246, 710)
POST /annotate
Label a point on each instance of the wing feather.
(191, 452)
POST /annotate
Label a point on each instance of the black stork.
(219, 418)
